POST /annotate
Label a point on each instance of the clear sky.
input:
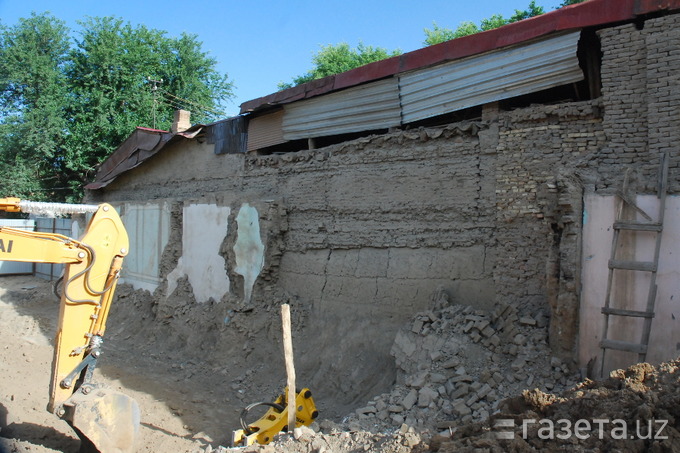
(260, 43)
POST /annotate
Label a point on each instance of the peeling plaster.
(248, 248)
(204, 228)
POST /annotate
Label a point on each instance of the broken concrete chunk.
(410, 399)
(426, 396)
(527, 321)
(437, 378)
(462, 378)
(460, 391)
(366, 410)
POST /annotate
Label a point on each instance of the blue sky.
(261, 43)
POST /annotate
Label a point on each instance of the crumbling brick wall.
(538, 211)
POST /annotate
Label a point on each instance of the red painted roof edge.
(587, 14)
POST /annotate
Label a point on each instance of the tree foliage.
(32, 109)
(439, 34)
(334, 59)
(66, 104)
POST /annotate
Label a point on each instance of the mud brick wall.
(641, 97)
(538, 211)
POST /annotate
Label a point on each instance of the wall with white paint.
(249, 249)
(148, 227)
(630, 287)
(204, 227)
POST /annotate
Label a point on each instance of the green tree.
(492, 22)
(66, 105)
(570, 2)
(439, 34)
(531, 11)
(33, 89)
(334, 59)
(110, 70)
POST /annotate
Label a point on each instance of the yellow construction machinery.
(105, 420)
(275, 419)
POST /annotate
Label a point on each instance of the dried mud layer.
(466, 381)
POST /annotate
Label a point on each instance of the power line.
(195, 104)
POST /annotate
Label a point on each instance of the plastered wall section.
(148, 227)
(630, 289)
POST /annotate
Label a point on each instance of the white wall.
(204, 227)
(148, 227)
(630, 288)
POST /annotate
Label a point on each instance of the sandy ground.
(173, 418)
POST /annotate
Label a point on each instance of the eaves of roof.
(142, 144)
(588, 14)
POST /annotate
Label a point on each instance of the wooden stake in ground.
(290, 365)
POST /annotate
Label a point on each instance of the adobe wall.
(362, 235)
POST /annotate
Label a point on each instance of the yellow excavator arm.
(106, 421)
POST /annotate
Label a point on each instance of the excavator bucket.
(105, 420)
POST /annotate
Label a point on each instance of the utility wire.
(195, 104)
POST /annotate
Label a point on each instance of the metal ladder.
(615, 264)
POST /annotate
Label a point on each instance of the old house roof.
(468, 71)
(138, 147)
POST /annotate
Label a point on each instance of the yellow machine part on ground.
(275, 419)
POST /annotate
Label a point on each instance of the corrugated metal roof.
(490, 77)
(265, 130)
(229, 136)
(569, 18)
(367, 107)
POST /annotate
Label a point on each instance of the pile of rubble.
(456, 364)
(471, 381)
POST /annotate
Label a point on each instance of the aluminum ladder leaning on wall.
(615, 264)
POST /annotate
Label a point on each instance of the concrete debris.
(455, 366)
(457, 363)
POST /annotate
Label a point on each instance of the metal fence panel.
(11, 267)
(61, 226)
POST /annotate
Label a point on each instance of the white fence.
(43, 270)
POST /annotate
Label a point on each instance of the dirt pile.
(634, 410)
(474, 381)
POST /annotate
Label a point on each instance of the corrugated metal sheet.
(489, 77)
(367, 107)
(265, 130)
(229, 136)
(13, 267)
(51, 271)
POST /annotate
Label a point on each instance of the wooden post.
(290, 365)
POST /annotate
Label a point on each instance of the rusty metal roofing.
(574, 17)
(138, 147)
